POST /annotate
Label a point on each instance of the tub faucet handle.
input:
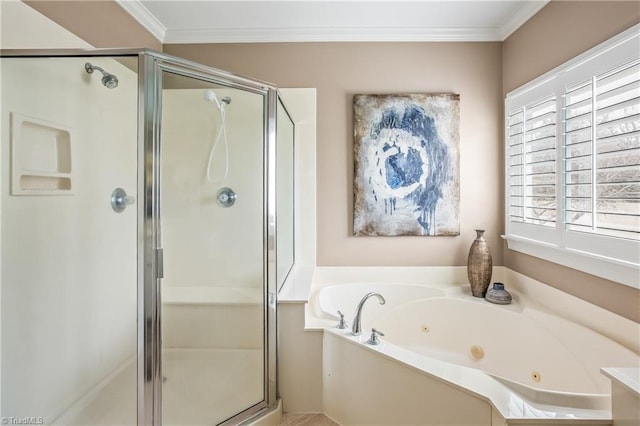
(373, 340)
(342, 324)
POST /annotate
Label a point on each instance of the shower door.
(217, 246)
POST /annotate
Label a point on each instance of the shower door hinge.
(159, 263)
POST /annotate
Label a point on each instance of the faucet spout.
(356, 328)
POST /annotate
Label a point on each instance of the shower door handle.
(159, 263)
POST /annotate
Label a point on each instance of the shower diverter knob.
(120, 200)
(226, 197)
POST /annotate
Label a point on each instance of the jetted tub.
(528, 362)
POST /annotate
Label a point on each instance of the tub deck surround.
(628, 377)
(297, 286)
(512, 402)
(625, 395)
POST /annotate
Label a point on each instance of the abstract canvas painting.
(406, 153)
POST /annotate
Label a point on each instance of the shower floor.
(201, 386)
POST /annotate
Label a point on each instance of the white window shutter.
(572, 154)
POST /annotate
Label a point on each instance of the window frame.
(613, 258)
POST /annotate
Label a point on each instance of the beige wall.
(17, 21)
(571, 27)
(101, 23)
(480, 72)
(340, 70)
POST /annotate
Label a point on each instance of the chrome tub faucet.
(356, 328)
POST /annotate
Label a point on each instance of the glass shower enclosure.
(141, 245)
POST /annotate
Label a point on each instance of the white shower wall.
(206, 245)
(68, 260)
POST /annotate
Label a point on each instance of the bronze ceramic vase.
(479, 265)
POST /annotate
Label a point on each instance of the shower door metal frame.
(149, 249)
(151, 64)
(151, 68)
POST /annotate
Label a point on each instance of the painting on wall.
(406, 152)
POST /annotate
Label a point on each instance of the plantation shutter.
(572, 162)
(602, 153)
(531, 140)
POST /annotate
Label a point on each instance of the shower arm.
(89, 68)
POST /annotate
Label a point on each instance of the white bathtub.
(526, 362)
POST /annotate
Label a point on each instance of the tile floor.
(313, 419)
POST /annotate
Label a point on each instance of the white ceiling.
(243, 21)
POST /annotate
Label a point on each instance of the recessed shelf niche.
(41, 157)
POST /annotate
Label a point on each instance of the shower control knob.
(226, 197)
(120, 200)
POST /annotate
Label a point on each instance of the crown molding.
(286, 34)
(295, 35)
(524, 14)
(140, 13)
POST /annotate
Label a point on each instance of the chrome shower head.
(109, 81)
